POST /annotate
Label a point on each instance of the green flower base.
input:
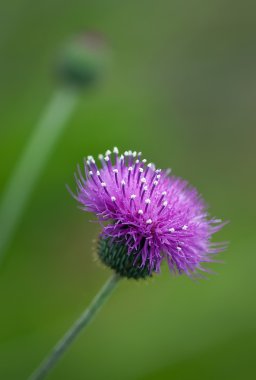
(115, 256)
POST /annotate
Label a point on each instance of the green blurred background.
(181, 88)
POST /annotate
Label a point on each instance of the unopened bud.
(82, 60)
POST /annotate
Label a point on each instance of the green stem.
(32, 162)
(74, 331)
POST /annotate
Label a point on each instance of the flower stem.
(74, 331)
(32, 162)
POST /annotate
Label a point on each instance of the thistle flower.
(146, 215)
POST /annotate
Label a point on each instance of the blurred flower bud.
(82, 60)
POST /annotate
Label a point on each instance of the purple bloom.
(154, 215)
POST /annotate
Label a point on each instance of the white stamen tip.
(171, 230)
(106, 158)
(185, 227)
(145, 188)
(158, 176)
(90, 172)
(100, 156)
(165, 203)
(103, 184)
(123, 182)
(149, 221)
(137, 161)
(98, 173)
(108, 152)
(134, 154)
(158, 170)
(144, 161)
(155, 183)
(115, 170)
(130, 168)
(90, 158)
(147, 201)
(143, 180)
(133, 196)
(164, 193)
(179, 248)
(149, 165)
(122, 157)
(140, 212)
(113, 199)
(115, 150)
(126, 153)
(141, 170)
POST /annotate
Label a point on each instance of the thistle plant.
(147, 216)
(79, 65)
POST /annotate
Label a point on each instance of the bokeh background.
(181, 88)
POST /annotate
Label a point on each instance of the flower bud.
(82, 60)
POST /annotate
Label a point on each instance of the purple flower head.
(146, 215)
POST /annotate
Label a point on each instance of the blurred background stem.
(77, 327)
(32, 162)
